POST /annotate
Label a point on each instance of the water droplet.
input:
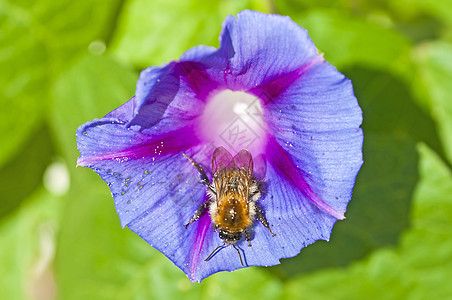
(97, 47)
(56, 178)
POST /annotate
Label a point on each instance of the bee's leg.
(255, 191)
(261, 217)
(248, 236)
(198, 212)
(204, 178)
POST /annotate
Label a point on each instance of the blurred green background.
(66, 62)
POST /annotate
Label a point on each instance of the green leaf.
(434, 77)
(94, 86)
(389, 106)
(348, 40)
(292, 7)
(155, 32)
(28, 240)
(38, 40)
(22, 80)
(246, 283)
(405, 17)
(96, 258)
(442, 9)
(419, 268)
(23, 174)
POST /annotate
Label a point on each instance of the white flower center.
(235, 121)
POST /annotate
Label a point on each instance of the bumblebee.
(232, 199)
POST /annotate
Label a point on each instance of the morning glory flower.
(265, 89)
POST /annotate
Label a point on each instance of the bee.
(232, 197)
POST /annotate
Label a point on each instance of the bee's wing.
(260, 166)
(243, 160)
(221, 159)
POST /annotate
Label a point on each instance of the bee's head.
(230, 237)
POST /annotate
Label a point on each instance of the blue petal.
(264, 47)
(172, 95)
(296, 224)
(155, 189)
(156, 88)
(163, 229)
(155, 194)
(254, 48)
(140, 169)
(198, 54)
(124, 113)
(316, 121)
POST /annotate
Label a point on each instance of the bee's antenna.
(221, 246)
(240, 256)
(215, 251)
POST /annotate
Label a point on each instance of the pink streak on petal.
(270, 90)
(197, 77)
(172, 142)
(201, 231)
(280, 159)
